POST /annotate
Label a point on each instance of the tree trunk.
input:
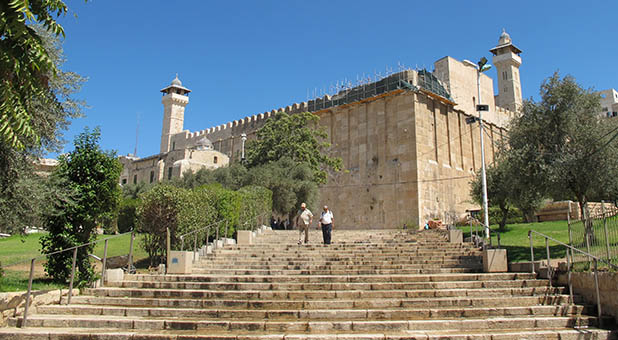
(505, 212)
(585, 217)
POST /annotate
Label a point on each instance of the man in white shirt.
(326, 220)
(305, 217)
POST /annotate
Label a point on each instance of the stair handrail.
(475, 237)
(207, 228)
(74, 248)
(570, 261)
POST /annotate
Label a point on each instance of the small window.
(504, 75)
(173, 145)
(124, 181)
(134, 179)
(151, 176)
(169, 173)
(215, 160)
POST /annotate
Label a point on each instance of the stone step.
(303, 249)
(278, 286)
(337, 267)
(313, 327)
(318, 294)
(335, 278)
(440, 302)
(248, 271)
(323, 261)
(503, 334)
(311, 314)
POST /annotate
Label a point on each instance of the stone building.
(407, 148)
(609, 103)
(176, 156)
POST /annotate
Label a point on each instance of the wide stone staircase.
(366, 285)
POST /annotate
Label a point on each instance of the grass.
(16, 252)
(515, 239)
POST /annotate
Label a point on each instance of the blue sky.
(246, 57)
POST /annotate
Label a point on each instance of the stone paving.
(366, 285)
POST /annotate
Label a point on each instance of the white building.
(609, 103)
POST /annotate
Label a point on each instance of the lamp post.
(481, 67)
(243, 138)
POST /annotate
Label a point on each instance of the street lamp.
(481, 67)
(243, 138)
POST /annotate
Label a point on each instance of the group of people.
(304, 218)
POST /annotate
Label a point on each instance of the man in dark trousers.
(326, 221)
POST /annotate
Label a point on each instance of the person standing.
(326, 220)
(303, 221)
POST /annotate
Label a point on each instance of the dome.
(204, 144)
(505, 38)
(176, 81)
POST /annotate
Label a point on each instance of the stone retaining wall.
(583, 284)
(13, 303)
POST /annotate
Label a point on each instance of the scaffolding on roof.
(368, 88)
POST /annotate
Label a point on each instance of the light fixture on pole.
(481, 67)
(243, 138)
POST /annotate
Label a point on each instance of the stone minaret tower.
(175, 98)
(507, 61)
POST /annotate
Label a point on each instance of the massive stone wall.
(408, 157)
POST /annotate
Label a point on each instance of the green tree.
(291, 184)
(499, 188)
(26, 67)
(92, 174)
(565, 148)
(23, 194)
(297, 137)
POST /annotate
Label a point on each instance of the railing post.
(23, 324)
(227, 225)
(531, 251)
(609, 257)
(167, 249)
(104, 264)
(570, 233)
(569, 276)
(549, 269)
(498, 239)
(471, 235)
(130, 269)
(72, 276)
(587, 233)
(217, 237)
(194, 246)
(182, 243)
(596, 288)
(476, 234)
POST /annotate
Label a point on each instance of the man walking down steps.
(305, 217)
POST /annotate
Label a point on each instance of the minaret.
(175, 98)
(507, 61)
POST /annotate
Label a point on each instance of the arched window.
(215, 160)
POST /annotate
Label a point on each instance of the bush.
(127, 214)
(227, 205)
(255, 201)
(187, 210)
(160, 209)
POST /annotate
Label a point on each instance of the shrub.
(127, 214)
(160, 209)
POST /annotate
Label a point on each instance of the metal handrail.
(569, 259)
(74, 248)
(475, 236)
(573, 248)
(200, 229)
